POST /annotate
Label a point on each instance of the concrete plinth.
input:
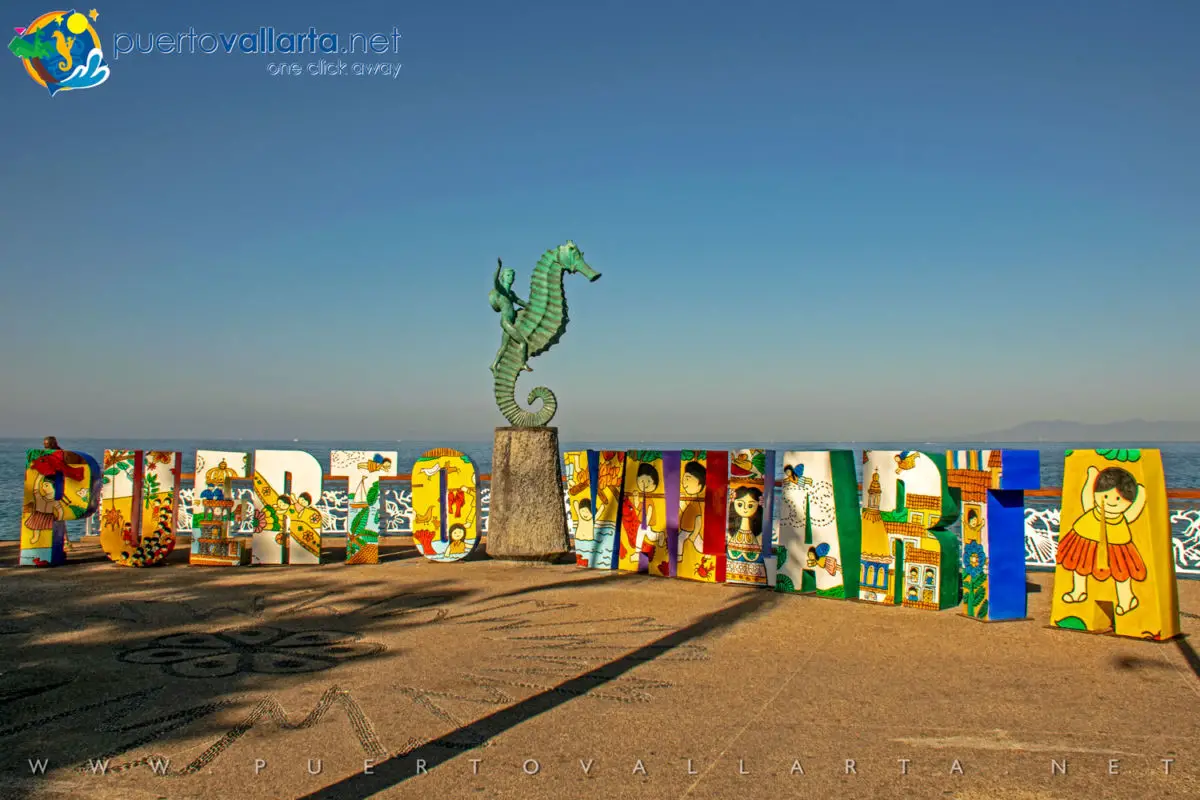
(527, 520)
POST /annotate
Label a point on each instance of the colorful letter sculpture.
(751, 479)
(577, 479)
(991, 485)
(596, 544)
(60, 486)
(215, 511)
(644, 515)
(908, 556)
(700, 532)
(287, 527)
(362, 470)
(445, 502)
(820, 526)
(531, 327)
(1116, 567)
(138, 503)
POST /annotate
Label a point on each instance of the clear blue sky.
(814, 221)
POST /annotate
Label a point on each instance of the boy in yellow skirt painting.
(1099, 544)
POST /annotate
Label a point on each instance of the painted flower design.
(974, 560)
(268, 651)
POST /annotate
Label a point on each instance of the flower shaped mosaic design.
(267, 651)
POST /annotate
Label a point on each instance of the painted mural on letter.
(362, 470)
(596, 545)
(216, 512)
(700, 541)
(991, 486)
(820, 527)
(287, 527)
(1115, 566)
(909, 557)
(60, 486)
(445, 498)
(578, 487)
(138, 505)
(747, 549)
(643, 515)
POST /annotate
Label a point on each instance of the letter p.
(122, 43)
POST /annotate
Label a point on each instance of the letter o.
(273, 68)
(536, 767)
(452, 530)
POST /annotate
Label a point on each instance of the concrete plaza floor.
(456, 680)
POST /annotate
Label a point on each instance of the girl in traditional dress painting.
(746, 516)
(1099, 543)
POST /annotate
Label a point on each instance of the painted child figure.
(691, 507)
(645, 538)
(1099, 543)
(457, 544)
(506, 303)
(585, 530)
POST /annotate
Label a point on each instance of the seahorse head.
(570, 257)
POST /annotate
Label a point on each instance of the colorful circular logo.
(61, 51)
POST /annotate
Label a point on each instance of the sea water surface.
(1181, 460)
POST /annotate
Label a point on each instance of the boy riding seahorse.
(504, 300)
(531, 330)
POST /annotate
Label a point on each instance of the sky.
(814, 221)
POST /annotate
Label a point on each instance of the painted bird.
(432, 471)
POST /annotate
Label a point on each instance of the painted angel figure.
(819, 558)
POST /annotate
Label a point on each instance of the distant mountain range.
(1131, 430)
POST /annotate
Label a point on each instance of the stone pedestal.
(527, 520)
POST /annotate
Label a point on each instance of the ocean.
(1181, 460)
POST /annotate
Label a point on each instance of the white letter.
(475, 765)
(272, 471)
(1167, 762)
(956, 768)
(1114, 766)
(99, 766)
(742, 767)
(310, 769)
(38, 766)
(586, 767)
(258, 765)
(536, 767)
(904, 766)
(639, 767)
(850, 770)
(159, 765)
(796, 768)
(1057, 768)
(367, 764)
(421, 766)
(690, 770)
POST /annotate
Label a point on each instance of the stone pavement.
(455, 680)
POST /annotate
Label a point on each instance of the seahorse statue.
(532, 327)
